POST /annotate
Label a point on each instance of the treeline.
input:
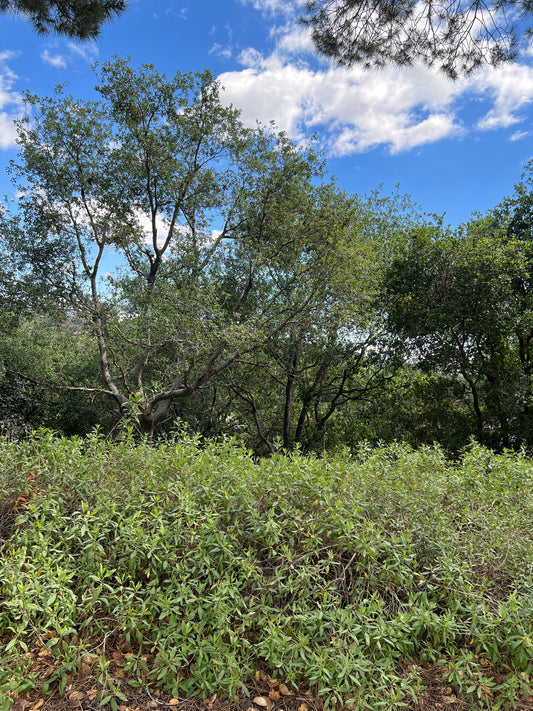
(164, 262)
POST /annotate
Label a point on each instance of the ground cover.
(188, 574)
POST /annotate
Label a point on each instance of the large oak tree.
(178, 238)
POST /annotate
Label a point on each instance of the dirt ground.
(266, 694)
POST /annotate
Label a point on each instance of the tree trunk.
(477, 408)
(290, 389)
(147, 425)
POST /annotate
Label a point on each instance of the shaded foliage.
(455, 37)
(82, 19)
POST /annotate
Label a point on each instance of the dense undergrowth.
(342, 574)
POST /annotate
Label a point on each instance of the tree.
(456, 37)
(180, 240)
(457, 303)
(416, 405)
(76, 18)
(39, 354)
(294, 389)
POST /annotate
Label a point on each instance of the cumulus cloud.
(7, 129)
(511, 88)
(10, 101)
(292, 40)
(357, 109)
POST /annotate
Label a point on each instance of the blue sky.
(455, 148)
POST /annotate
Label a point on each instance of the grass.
(202, 568)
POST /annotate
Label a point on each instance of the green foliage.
(457, 39)
(341, 573)
(40, 356)
(219, 236)
(458, 303)
(413, 406)
(299, 388)
(82, 19)
(207, 272)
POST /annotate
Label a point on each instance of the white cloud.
(251, 57)
(103, 215)
(357, 109)
(399, 132)
(220, 51)
(510, 87)
(271, 7)
(58, 61)
(10, 102)
(181, 14)
(527, 49)
(293, 40)
(8, 54)
(88, 51)
(144, 221)
(520, 135)
(8, 133)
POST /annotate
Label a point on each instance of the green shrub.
(343, 574)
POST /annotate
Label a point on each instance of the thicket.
(200, 566)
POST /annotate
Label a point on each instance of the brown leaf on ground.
(86, 664)
(20, 705)
(76, 695)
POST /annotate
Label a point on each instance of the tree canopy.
(461, 303)
(456, 37)
(76, 18)
(179, 239)
(163, 262)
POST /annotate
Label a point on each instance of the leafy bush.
(346, 574)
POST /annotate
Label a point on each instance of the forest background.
(169, 264)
